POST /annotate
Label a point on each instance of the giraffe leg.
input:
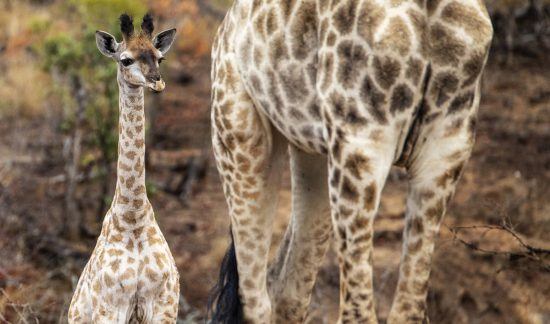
(436, 165)
(358, 170)
(165, 309)
(293, 274)
(106, 312)
(249, 156)
(444, 143)
(433, 180)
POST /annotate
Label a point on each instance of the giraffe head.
(139, 54)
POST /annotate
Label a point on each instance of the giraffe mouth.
(156, 86)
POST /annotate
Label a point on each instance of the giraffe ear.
(106, 43)
(164, 40)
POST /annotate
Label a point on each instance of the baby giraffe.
(131, 276)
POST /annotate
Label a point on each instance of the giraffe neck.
(130, 187)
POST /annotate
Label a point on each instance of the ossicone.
(147, 26)
(126, 25)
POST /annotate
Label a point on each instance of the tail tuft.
(224, 303)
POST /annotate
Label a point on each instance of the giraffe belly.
(280, 74)
(297, 122)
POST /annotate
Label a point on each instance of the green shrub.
(72, 56)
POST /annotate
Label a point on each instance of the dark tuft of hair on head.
(147, 24)
(126, 25)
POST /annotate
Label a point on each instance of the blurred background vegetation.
(59, 101)
(58, 142)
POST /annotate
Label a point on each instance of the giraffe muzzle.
(156, 85)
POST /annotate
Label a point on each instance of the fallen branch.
(528, 251)
(188, 168)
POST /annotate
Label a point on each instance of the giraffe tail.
(224, 303)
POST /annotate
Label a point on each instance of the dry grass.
(25, 296)
(24, 90)
(24, 87)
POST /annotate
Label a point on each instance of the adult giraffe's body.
(352, 87)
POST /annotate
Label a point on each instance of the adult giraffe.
(352, 87)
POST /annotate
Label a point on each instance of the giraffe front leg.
(358, 170)
(293, 274)
(111, 312)
(165, 307)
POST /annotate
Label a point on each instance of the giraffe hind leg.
(358, 168)
(249, 156)
(433, 180)
(293, 274)
(444, 144)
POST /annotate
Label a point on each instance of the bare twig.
(196, 170)
(15, 307)
(527, 251)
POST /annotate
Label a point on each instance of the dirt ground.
(508, 177)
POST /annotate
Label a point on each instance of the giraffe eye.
(127, 61)
(160, 60)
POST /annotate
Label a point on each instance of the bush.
(87, 81)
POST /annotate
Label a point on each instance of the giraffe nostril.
(154, 78)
